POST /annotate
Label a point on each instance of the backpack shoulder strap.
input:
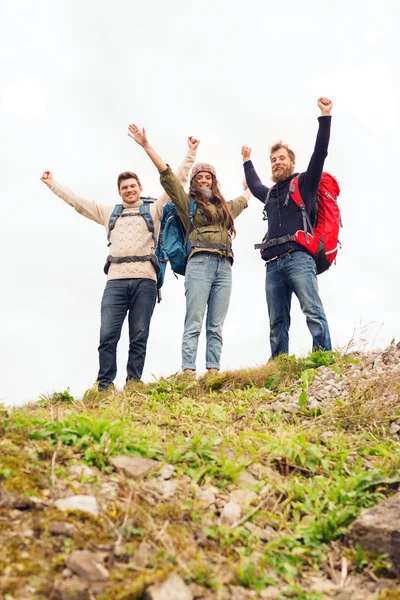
(265, 209)
(116, 213)
(295, 195)
(192, 214)
(146, 214)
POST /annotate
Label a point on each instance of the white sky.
(74, 74)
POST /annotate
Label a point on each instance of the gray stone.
(378, 530)
(230, 513)
(86, 504)
(246, 478)
(242, 496)
(143, 554)
(134, 467)
(207, 496)
(87, 565)
(79, 470)
(394, 428)
(167, 488)
(62, 528)
(13, 500)
(166, 472)
(173, 588)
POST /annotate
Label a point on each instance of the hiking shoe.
(190, 373)
(213, 371)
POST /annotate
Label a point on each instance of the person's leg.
(142, 298)
(301, 275)
(279, 298)
(198, 281)
(218, 304)
(114, 307)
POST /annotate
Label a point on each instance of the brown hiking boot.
(213, 371)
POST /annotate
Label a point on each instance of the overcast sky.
(74, 74)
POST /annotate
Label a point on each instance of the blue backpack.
(172, 243)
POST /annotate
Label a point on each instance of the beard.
(207, 192)
(282, 174)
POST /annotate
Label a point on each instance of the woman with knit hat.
(208, 279)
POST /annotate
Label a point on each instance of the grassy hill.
(256, 477)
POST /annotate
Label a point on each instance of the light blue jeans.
(295, 272)
(208, 284)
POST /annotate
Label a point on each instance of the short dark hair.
(278, 145)
(127, 175)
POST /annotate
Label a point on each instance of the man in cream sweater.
(131, 286)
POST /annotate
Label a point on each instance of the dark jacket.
(286, 219)
(204, 231)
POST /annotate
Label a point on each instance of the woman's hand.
(193, 143)
(139, 135)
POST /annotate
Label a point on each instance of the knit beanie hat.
(202, 168)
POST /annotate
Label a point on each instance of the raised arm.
(87, 208)
(257, 188)
(140, 137)
(312, 176)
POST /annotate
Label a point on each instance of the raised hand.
(246, 153)
(47, 177)
(139, 135)
(325, 105)
(193, 143)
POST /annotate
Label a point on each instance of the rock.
(87, 565)
(266, 535)
(166, 472)
(173, 588)
(198, 591)
(62, 528)
(75, 589)
(327, 434)
(394, 428)
(143, 554)
(134, 467)
(86, 504)
(322, 586)
(13, 500)
(79, 470)
(242, 496)
(378, 530)
(246, 478)
(230, 513)
(166, 488)
(207, 496)
(240, 593)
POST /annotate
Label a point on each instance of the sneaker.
(213, 371)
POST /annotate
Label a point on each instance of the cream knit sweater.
(130, 237)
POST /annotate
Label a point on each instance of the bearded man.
(289, 267)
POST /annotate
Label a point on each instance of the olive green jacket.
(203, 231)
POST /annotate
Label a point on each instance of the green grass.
(310, 487)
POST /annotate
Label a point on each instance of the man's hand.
(326, 106)
(244, 184)
(47, 177)
(246, 153)
(138, 135)
(193, 142)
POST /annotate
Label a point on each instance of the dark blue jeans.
(295, 272)
(136, 297)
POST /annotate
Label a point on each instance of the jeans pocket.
(200, 258)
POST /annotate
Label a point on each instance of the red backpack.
(322, 241)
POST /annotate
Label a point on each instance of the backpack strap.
(298, 200)
(192, 214)
(265, 209)
(116, 213)
(146, 214)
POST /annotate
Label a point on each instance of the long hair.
(223, 210)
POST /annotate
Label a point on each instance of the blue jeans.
(136, 297)
(295, 272)
(208, 284)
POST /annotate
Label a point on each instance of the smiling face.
(204, 179)
(129, 190)
(281, 165)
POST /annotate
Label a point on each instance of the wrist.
(325, 113)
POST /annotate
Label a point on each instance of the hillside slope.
(234, 486)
